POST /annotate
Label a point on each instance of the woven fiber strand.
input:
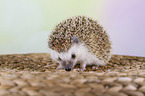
(36, 75)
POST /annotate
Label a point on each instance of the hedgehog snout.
(68, 66)
(68, 69)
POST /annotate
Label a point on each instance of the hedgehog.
(79, 40)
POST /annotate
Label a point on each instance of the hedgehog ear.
(75, 39)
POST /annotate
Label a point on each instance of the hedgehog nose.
(68, 69)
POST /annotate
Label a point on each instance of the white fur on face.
(82, 55)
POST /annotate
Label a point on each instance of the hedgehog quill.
(79, 40)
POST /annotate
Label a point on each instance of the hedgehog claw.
(82, 69)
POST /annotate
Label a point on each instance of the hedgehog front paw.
(59, 67)
(83, 67)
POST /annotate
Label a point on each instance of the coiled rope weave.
(36, 75)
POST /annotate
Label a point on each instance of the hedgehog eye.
(59, 59)
(73, 56)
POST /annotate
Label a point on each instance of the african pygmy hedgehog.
(79, 40)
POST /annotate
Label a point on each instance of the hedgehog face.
(67, 60)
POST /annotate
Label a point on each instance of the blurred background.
(26, 24)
